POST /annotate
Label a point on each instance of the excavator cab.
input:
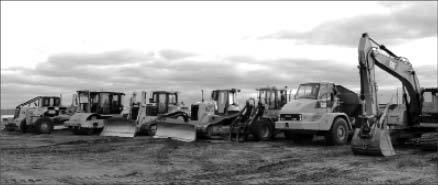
(429, 113)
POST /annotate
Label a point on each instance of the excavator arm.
(373, 54)
(372, 137)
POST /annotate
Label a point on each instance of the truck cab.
(320, 108)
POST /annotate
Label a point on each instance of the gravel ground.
(63, 158)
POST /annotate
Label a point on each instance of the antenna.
(202, 92)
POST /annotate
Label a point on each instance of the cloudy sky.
(52, 48)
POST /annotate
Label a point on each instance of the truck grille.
(290, 117)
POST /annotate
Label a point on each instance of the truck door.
(325, 102)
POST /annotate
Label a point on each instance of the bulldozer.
(206, 118)
(415, 119)
(93, 107)
(258, 119)
(140, 117)
(39, 114)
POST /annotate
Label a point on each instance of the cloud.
(129, 71)
(171, 54)
(411, 20)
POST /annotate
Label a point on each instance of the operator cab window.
(231, 98)
(262, 97)
(162, 103)
(46, 102)
(172, 99)
(307, 91)
(57, 102)
(429, 99)
(105, 103)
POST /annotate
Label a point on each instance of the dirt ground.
(63, 158)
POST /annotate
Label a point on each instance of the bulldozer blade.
(377, 142)
(119, 127)
(179, 131)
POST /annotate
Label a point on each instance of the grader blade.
(119, 127)
(178, 131)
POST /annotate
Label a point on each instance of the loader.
(39, 114)
(259, 115)
(416, 119)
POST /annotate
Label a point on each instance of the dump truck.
(141, 116)
(39, 114)
(93, 107)
(258, 118)
(416, 119)
(320, 108)
(206, 118)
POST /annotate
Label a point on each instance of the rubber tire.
(263, 130)
(332, 135)
(44, 126)
(151, 132)
(23, 126)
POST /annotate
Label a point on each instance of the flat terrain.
(63, 158)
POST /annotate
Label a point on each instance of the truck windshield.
(307, 91)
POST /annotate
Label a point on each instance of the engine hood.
(299, 106)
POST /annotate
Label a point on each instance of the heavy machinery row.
(317, 108)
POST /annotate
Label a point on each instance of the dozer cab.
(258, 119)
(93, 108)
(39, 114)
(206, 118)
(415, 119)
(141, 116)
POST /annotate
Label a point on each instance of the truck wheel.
(44, 126)
(338, 135)
(263, 130)
(23, 126)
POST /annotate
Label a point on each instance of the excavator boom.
(372, 135)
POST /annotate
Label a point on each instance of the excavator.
(142, 116)
(206, 118)
(415, 119)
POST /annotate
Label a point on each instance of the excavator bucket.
(179, 131)
(119, 127)
(375, 141)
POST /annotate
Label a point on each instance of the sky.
(53, 48)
